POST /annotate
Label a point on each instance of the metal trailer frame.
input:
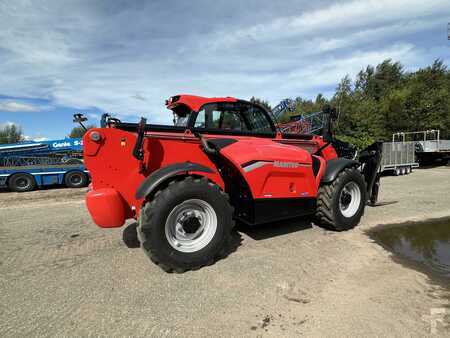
(310, 123)
(429, 146)
(398, 157)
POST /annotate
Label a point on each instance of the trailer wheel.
(340, 204)
(75, 179)
(22, 182)
(408, 170)
(186, 225)
(397, 172)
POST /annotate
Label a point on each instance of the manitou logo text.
(280, 164)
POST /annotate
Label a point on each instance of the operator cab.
(230, 117)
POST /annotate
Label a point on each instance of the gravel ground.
(60, 275)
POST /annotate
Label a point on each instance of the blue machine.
(27, 165)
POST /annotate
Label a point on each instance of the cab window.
(233, 116)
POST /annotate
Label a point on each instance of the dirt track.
(61, 275)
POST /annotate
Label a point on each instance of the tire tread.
(161, 197)
(324, 212)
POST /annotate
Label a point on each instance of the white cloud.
(139, 97)
(129, 59)
(39, 139)
(93, 116)
(7, 123)
(336, 17)
(13, 106)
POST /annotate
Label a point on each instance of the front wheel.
(186, 225)
(340, 204)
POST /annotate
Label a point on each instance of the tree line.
(386, 99)
(12, 133)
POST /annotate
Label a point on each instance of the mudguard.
(335, 166)
(368, 163)
(159, 176)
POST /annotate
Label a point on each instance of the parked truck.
(26, 166)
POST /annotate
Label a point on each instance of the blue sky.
(127, 57)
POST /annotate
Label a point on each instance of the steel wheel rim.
(23, 182)
(349, 199)
(191, 225)
(75, 179)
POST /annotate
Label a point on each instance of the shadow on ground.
(131, 240)
(274, 229)
(129, 236)
(381, 204)
(256, 232)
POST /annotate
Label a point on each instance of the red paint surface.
(107, 208)
(116, 174)
(195, 102)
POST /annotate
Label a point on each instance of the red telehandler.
(223, 160)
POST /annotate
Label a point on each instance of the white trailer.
(398, 157)
(430, 148)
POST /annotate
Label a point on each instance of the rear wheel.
(186, 225)
(340, 204)
(22, 183)
(75, 179)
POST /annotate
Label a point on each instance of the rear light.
(95, 136)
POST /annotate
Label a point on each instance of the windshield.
(234, 116)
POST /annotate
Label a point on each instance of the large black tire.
(156, 221)
(331, 196)
(21, 183)
(76, 179)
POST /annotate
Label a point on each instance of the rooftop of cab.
(195, 102)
